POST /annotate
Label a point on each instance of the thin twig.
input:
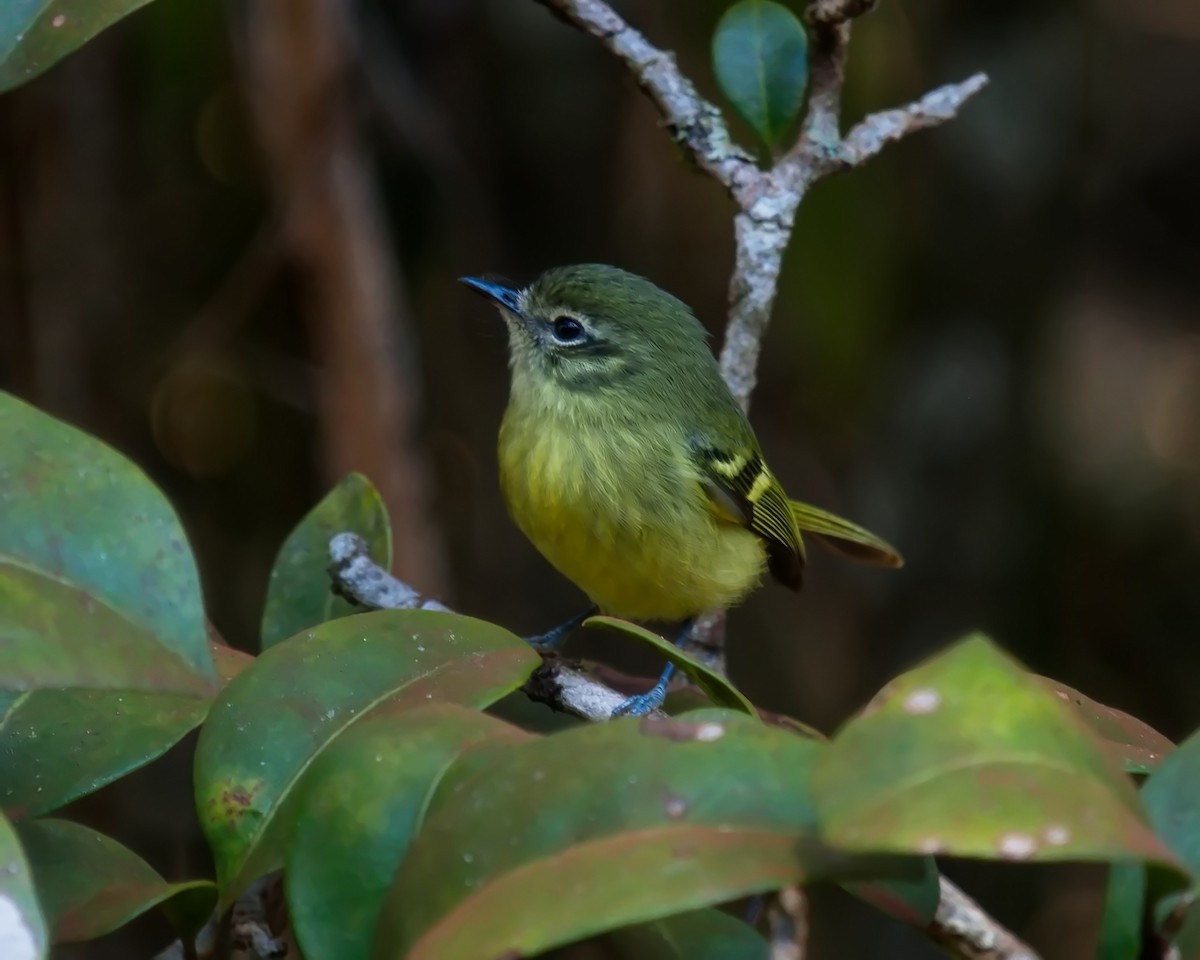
(867, 138)
(357, 578)
(960, 925)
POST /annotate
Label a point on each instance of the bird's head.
(591, 327)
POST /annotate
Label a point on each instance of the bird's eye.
(567, 329)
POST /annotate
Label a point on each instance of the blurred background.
(229, 239)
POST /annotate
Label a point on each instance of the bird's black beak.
(498, 293)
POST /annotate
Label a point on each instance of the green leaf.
(1137, 746)
(716, 687)
(760, 56)
(86, 695)
(698, 811)
(969, 755)
(77, 511)
(708, 934)
(358, 807)
(22, 927)
(36, 34)
(59, 745)
(270, 723)
(299, 594)
(89, 884)
(1121, 930)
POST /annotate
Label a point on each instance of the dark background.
(229, 238)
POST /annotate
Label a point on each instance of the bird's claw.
(641, 704)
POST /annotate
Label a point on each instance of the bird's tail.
(848, 539)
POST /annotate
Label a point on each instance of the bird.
(628, 464)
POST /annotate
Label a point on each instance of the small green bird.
(628, 464)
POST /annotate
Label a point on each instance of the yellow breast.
(623, 516)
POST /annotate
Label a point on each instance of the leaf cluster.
(383, 762)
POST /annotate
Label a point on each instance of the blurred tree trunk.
(297, 59)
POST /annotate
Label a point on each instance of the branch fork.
(767, 199)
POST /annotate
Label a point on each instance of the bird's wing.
(741, 489)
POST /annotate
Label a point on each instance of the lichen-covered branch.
(870, 136)
(357, 578)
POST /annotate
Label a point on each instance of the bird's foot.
(643, 703)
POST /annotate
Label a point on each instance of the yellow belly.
(631, 527)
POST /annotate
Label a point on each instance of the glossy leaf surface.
(968, 754)
(106, 654)
(274, 718)
(357, 809)
(716, 687)
(22, 927)
(89, 884)
(36, 34)
(76, 510)
(700, 811)
(299, 594)
(760, 57)
(59, 745)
